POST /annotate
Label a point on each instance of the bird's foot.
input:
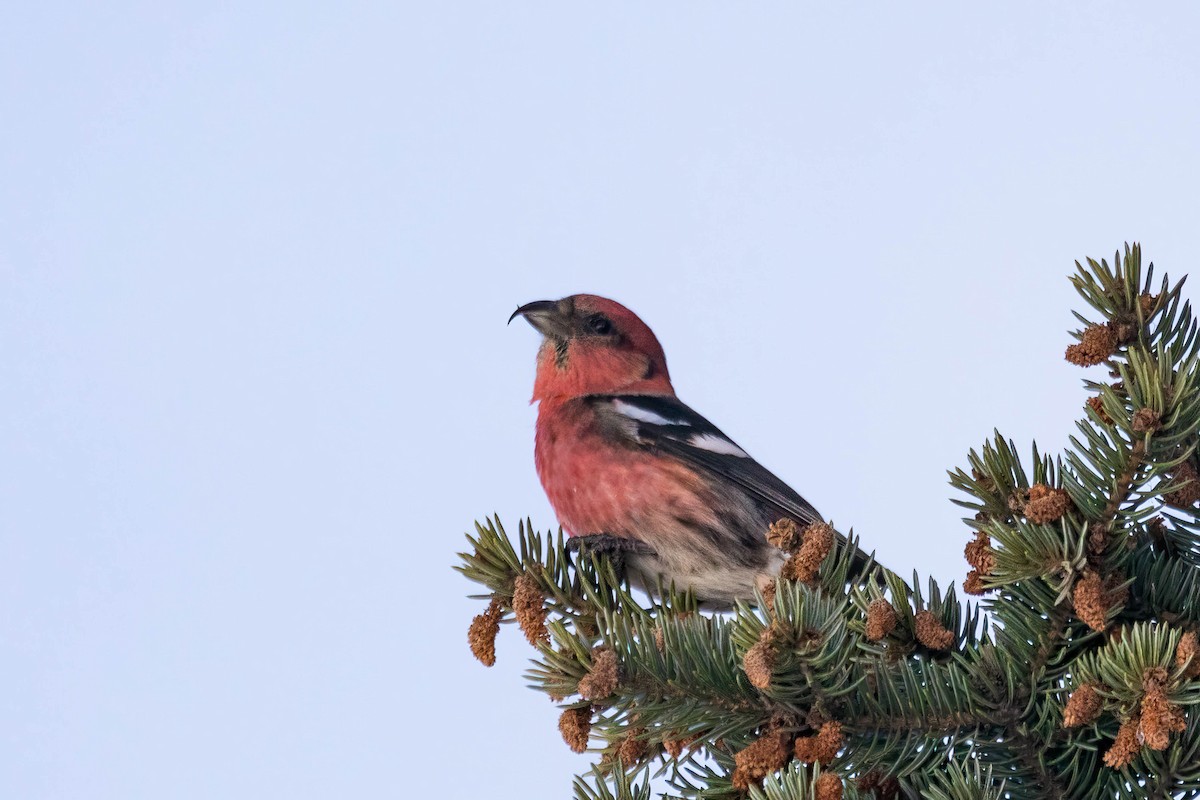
(608, 544)
(617, 548)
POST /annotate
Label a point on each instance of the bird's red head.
(594, 346)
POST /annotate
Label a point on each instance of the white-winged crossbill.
(628, 467)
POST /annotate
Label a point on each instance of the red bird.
(628, 467)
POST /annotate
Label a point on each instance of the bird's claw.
(617, 548)
(608, 544)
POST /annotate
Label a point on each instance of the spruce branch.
(1075, 675)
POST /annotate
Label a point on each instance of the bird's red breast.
(599, 484)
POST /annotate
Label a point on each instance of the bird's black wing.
(669, 426)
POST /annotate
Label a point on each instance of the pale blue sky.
(255, 382)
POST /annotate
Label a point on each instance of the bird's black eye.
(599, 324)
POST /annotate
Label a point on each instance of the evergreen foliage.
(1074, 676)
